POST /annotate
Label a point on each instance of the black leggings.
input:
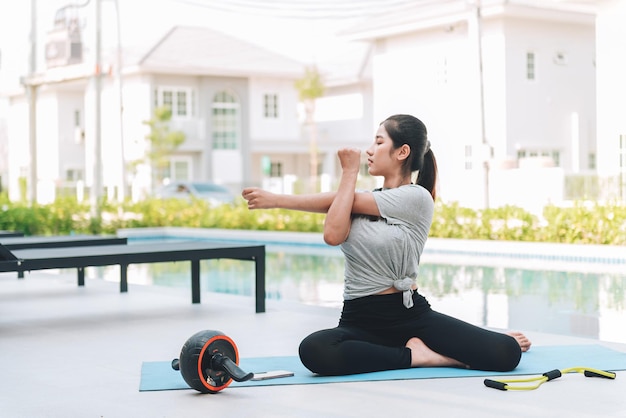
(373, 331)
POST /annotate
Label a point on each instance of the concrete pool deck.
(77, 352)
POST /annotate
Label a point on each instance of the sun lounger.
(123, 255)
(4, 234)
(21, 242)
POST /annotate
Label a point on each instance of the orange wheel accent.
(206, 345)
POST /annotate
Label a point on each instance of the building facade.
(225, 95)
(502, 88)
(508, 91)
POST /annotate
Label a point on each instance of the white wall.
(283, 128)
(611, 95)
(530, 188)
(71, 149)
(539, 112)
(434, 76)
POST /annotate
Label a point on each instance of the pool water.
(570, 303)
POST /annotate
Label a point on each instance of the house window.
(180, 100)
(180, 168)
(181, 103)
(468, 157)
(276, 169)
(530, 66)
(73, 174)
(270, 106)
(77, 122)
(225, 121)
(555, 155)
(591, 161)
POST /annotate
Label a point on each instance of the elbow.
(333, 238)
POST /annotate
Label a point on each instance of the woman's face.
(381, 159)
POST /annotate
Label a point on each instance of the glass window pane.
(181, 103)
(225, 121)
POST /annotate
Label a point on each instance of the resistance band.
(513, 384)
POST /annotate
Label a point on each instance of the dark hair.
(409, 130)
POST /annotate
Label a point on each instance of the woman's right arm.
(262, 199)
(364, 203)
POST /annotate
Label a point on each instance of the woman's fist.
(258, 198)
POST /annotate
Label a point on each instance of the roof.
(203, 51)
(433, 13)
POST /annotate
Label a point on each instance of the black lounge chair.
(123, 255)
(21, 242)
(58, 241)
(4, 233)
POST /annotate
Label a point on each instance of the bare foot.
(422, 356)
(521, 339)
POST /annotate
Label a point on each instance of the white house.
(526, 90)
(226, 95)
(529, 110)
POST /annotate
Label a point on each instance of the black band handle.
(495, 384)
(552, 374)
(589, 373)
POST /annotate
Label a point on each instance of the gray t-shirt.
(385, 252)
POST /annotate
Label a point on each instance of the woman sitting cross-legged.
(385, 322)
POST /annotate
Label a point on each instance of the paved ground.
(77, 352)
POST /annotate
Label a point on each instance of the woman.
(385, 323)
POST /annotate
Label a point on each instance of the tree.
(311, 87)
(163, 142)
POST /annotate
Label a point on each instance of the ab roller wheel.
(209, 362)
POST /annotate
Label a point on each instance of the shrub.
(582, 223)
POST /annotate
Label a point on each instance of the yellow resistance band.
(546, 377)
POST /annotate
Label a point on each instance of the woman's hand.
(259, 198)
(350, 159)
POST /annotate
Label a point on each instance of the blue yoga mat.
(159, 375)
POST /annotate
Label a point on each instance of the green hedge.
(581, 223)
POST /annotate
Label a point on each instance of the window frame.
(531, 66)
(225, 121)
(185, 109)
(270, 106)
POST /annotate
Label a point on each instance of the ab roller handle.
(221, 362)
(209, 362)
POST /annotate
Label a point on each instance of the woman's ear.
(403, 152)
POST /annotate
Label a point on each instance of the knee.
(508, 355)
(315, 354)
(305, 350)
(309, 351)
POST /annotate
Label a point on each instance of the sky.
(304, 30)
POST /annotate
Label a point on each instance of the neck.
(396, 181)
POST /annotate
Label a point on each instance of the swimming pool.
(555, 296)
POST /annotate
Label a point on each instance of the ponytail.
(427, 176)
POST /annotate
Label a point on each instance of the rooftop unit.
(63, 44)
